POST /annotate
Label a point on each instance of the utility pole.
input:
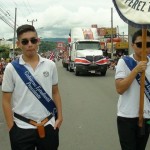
(111, 33)
(123, 36)
(117, 31)
(32, 21)
(14, 41)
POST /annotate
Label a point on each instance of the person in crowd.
(1, 73)
(4, 64)
(1, 67)
(128, 73)
(31, 100)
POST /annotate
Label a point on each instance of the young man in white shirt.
(30, 123)
(129, 89)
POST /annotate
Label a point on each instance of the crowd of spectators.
(113, 62)
(3, 64)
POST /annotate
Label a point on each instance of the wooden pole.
(142, 80)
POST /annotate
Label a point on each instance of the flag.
(52, 56)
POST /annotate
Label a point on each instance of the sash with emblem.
(35, 87)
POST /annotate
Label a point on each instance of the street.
(89, 111)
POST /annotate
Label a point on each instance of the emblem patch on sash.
(46, 73)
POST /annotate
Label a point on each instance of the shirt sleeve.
(54, 75)
(121, 70)
(8, 84)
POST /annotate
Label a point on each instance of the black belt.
(29, 120)
(40, 126)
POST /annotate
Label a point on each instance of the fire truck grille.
(93, 58)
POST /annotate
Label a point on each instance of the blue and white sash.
(131, 63)
(35, 88)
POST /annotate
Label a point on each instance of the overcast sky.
(56, 17)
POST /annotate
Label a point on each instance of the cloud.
(55, 18)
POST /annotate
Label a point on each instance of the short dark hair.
(25, 28)
(138, 33)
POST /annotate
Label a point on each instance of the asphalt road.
(89, 110)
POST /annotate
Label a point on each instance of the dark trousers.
(28, 139)
(129, 135)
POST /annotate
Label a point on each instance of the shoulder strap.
(34, 87)
(131, 63)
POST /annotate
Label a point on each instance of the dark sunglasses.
(139, 44)
(26, 41)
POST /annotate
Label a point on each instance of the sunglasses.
(26, 41)
(139, 44)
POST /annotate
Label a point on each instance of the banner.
(122, 45)
(83, 33)
(106, 32)
(134, 12)
(88, 34)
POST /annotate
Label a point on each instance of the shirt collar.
(22, 62)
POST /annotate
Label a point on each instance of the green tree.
(46, 46)
(4, 51)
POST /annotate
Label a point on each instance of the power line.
(5, 14)
(30, 6)
(17, 6)
(6, 21)
(27, 8)
(5, 17)
(6, 5)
